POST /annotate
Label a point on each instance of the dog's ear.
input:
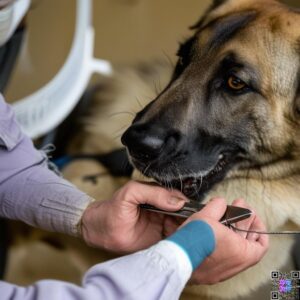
(214, 5)
(217, 3)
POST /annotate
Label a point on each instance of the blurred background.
(127, 31)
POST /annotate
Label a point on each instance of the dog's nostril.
(153, 143)
(142, 143)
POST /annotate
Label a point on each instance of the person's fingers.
(250, 224)
(253, 236)
(142, 193)
(214, 209)
(263, 239)
(245, 224)
(257, 248)
(259, 226)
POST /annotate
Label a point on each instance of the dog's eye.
(235, 84)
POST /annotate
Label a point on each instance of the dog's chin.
(195, 185)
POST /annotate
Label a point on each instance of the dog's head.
(233, 102)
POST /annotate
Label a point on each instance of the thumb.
(143, 193)
(214, 209)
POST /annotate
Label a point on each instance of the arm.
(161, 272)
(29, 191)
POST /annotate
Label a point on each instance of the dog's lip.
(190, 184)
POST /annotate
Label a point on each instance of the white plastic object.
(42, 111)
(10, 17)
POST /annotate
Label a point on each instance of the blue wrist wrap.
(196, 239)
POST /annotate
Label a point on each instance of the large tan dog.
(229, 120)
(228, 123)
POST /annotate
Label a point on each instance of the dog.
(228, 123)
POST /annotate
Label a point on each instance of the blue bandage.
(196, 239)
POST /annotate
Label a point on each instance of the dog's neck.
(276, 170)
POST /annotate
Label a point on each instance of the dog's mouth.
(196, 185)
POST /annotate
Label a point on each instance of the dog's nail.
(175, 200)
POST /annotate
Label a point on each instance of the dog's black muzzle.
(192, 162)
(148, 143)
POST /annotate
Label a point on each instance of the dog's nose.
(144, 142)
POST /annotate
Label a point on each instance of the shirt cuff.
(176, 257)
(197, 239)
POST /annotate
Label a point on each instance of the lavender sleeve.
(29, 191)
(160, 272)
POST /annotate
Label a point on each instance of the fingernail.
(175, 200)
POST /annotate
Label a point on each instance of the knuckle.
(128, 189)
(131, 185)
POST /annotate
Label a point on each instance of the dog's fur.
(199, 117)
(265, 36)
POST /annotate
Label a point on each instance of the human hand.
(235, 251)
(119, 224)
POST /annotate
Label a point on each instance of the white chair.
(42, 111)
(10, 18)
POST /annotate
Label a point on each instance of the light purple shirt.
(30, 192)
(161, 272)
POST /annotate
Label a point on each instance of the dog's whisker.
(201, 181)
(118, 136)
(120, 130)
(139, 102)
(180, 179)
(168, 59)
(156, 88)
(115, 114)
(159, 84)
(146, 168)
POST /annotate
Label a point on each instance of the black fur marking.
(185, 54)
(217, 3)
(225, 28)
(186, 48)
